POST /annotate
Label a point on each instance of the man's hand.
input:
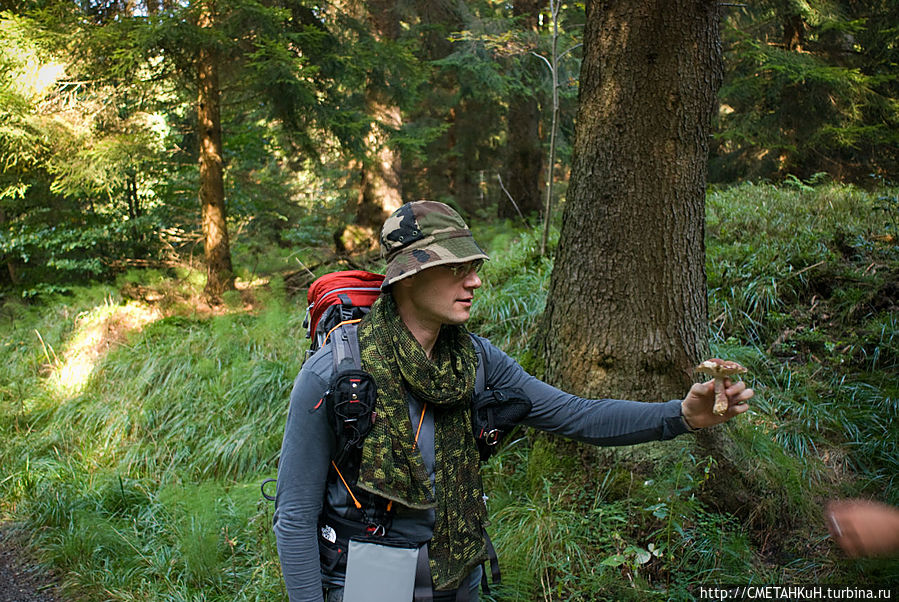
(864, 528)
(697, 406)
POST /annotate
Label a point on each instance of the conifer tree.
(626, 309)
(219, 272)
(524, 167)
(278, 67)
(810, 87)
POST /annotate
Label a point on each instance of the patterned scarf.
(392, 468)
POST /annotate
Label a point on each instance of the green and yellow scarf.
(392, 466)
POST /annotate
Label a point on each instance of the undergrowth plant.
(509, 305)
(142, 483)
(137, 474)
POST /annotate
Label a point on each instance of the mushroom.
(719, 369)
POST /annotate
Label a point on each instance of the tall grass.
(136, 474)
(807, 277)
(508, 306)
(142, 483)
(802, 290)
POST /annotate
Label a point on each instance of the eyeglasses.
(460, 270)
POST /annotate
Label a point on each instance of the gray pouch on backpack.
(380, 571)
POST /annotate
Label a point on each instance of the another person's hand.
(697, 406)
(863, 528)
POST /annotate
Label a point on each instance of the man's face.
(442, 294)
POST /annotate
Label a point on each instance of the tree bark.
(467, 160)
(439, 18)
(380, 183)
(219, 271)
(11, 268)
(627, 313)
(524, 174)
(382, 191)
(794, 32)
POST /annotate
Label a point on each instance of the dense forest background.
(175, 174)
(318, 118)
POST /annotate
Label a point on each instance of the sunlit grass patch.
(143, 482)
(96, 331)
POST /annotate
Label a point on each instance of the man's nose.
(472, 280)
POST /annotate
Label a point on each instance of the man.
(417, 479)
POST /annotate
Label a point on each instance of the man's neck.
(426, 337)
(425, 334)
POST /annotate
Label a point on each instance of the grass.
(510, 305)
(141, 483)
(136, 425)
(802, 290)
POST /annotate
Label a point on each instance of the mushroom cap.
(719, 367)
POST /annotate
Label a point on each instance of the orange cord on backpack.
(420, 421)
(348, 490)
(344, 323)
(414, 443)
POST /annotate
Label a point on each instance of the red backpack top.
(337, 297)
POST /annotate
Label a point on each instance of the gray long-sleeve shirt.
(309, 445)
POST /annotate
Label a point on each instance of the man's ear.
(405, 283)
(400, 288)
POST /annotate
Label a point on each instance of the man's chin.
(459, 318)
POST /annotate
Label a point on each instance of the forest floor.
(21, 579)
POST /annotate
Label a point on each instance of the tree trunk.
(469, 120)
(524, 173)
(380, 184)
(11, 268)
(794, 32)
(627, 314)
(219, 272)
(134, 208)
(380, 191)
(438, 18)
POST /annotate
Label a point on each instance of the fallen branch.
(514, 204)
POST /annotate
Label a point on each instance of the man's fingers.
(841, 522)
(739, 393)
(706, 388)
(742, 397)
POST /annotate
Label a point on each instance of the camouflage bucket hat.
(424, 234)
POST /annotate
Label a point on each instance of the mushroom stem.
(721, 404)
(719, 370)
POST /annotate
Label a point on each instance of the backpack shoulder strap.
(345, 346)
(480, 381)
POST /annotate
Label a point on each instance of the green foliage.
(802, 291)
(516, 280)
(815, 306)
(136, 466)
(134, 443)
(610, 536)
(830, 104)
(97, 131)
(141, 471)
(72, 194)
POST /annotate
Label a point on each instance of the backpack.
(337, 302)
(335, 298)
